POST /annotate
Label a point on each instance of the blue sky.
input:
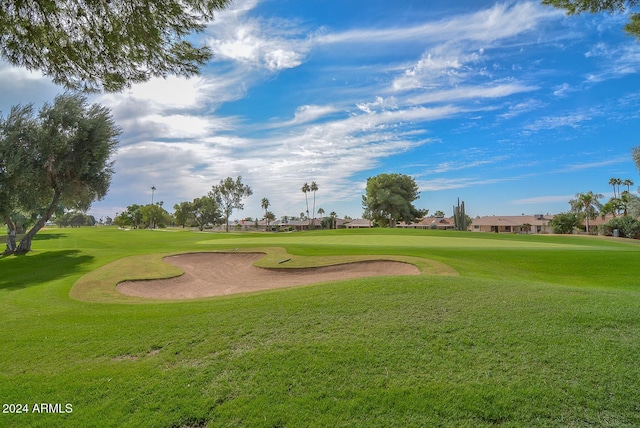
(510, 106)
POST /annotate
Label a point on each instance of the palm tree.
(627, 182)
(333, 216)
(320, 212)
(269, 216)
(265, 204)
(586, 202)
(306, 189)
(624, 201)
(612, 182)
(314, 188)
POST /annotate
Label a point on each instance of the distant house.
(299, 225)
(538, 223)
(439, 223)
(358, 223)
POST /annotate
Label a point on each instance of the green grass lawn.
(533, 331)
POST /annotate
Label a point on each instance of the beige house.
(538, 223)
(439, 223)
(359, 223)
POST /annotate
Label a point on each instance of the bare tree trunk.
(25, 242)
(11, 235)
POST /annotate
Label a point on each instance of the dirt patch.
(217, 274)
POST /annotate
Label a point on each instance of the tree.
(230, 194)
(314, 189)
(182, 213)
(265, 205)
(17, 138)
(306, 189)
(154, 215)
(389, 198)
(269, 217)
(574, 7)
(612, 206)
(564, 223)
(320, 213)
(66, 159)
(615, 184)
(105, 45)
(586, 203)
(635, 154)
(206, 210)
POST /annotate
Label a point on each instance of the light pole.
(153, 189)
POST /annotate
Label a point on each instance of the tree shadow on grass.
(21, 271)
(48, 236)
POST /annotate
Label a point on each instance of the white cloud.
(470, 93)
(551, 122)
(273, 45)
(562, 90)
(498, 22)
(614, 61)
(522, 107)
(444, 65)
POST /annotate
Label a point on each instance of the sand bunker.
(217, 274)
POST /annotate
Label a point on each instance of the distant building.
(440, 223)
(533, 224)
(358, 223)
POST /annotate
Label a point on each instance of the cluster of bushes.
(627, 226)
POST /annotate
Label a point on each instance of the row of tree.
(213, 208)
(57, 160)
(388, 200)
(623, 206)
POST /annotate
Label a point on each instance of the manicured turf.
(535, 331)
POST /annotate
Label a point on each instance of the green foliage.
(564, 223)
(182, 213)
(205, 210)
(153, 215)
(105, 45)
(61, 159)
(229, 195)
(388, 199)
(587, 205)
(635, 154)
(597, 6)
(74, 219)
(628, 226)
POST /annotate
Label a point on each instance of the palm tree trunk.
(313, 211)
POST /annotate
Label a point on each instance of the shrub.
(564, 223)
(628, 226)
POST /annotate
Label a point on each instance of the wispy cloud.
(551, 122)
(500, 21)
(615, 61)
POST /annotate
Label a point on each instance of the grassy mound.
(100, 284)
